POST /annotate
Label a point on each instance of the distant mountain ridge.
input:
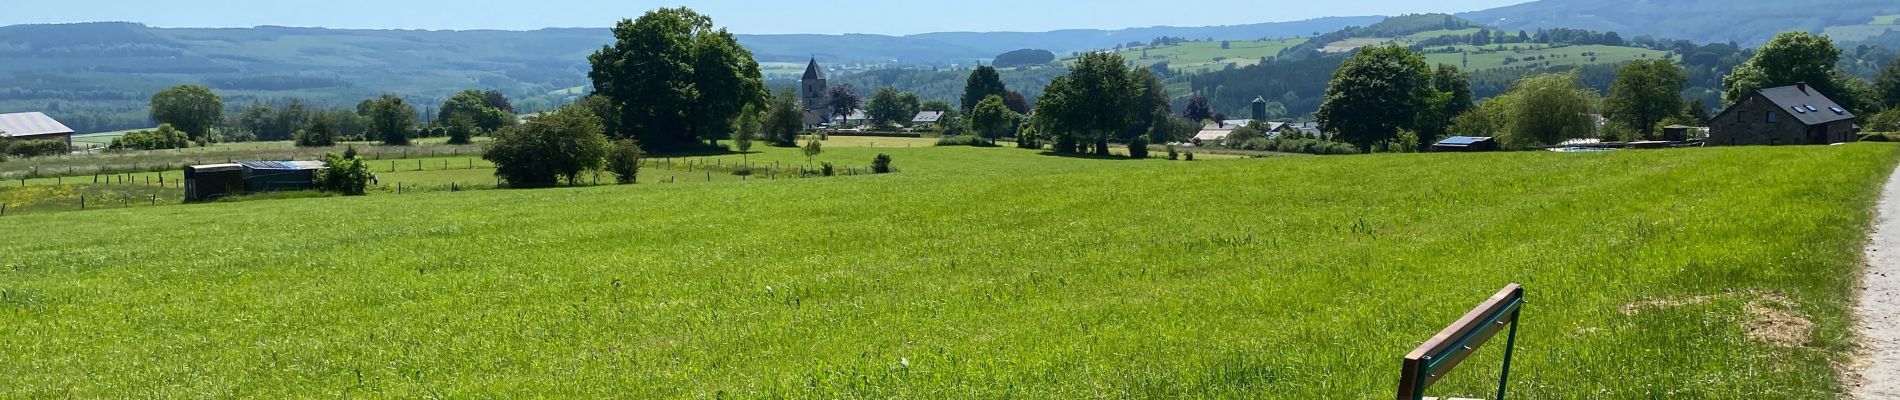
(1746, 22)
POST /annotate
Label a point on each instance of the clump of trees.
(1647, 95)
(484, 110)
(391, 120)
(889, 107)
(345, 174)
(671, 79)
(1101, 99)
(165, 137)
(548, 148)
(191, 108)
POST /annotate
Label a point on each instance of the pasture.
(1195, 56)
(1541, 55)
(974, 272)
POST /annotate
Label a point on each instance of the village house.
(1785, 115)
(926, 119)
(34, 126)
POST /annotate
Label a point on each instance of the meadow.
(1475, 60)
(1194, 56)
(972, 272)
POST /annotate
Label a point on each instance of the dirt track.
(1878, 307)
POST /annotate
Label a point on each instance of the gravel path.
(1879, 303)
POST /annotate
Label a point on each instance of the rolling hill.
(1748, 23)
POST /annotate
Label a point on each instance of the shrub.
(38, 148)
(4, 145)
(1305, 146)
(965, 140)
(1173, 153)
(1190, 156)
(550, 147)
(321, 133)
(881, 164)
(813, 147)
(1138, 147)
(344, 174)
(826, 169)
(165, 137)
(624, 162)
(461, 129)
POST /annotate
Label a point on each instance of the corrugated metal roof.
(216, 167)
(1464, 140)
(282, 165)
(927, 117)
(30, 124)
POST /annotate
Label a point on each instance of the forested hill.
(97, 76)
(1746, 22)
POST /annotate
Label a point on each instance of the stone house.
(1788, 115)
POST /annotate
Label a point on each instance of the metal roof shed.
(1466, 144)
(265, 176)
(210, 182)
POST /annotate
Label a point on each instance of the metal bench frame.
(1437, 357)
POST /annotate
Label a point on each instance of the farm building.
(210, 182)
(34, 126)
(1796, 114)
(926, 118)
(1219, 130)
(1466, 144)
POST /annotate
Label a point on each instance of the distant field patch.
(1193, 56)
(1545, 57)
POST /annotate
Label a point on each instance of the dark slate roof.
(927, 117)
(1806, 104)
(30, 124)
(812, 71)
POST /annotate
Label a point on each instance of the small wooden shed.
(211, 182)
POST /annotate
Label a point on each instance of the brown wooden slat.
(1414, 363)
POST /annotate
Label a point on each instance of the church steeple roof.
(812, 71)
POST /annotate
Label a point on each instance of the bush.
(38, 148)
(461, 130)
(321, 133)
(826, 169)
(550, 147)
(1190, 156)
(1138, 147)
(881, 164)
(624, 162)
(1173, 153)
(1305, 146)
(165, 137)
(4, 145)
(344, 174)
(965, 140)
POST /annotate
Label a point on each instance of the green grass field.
(1194, 56)
(974, 272)
(1555, 56)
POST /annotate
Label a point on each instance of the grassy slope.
(1567, 55)
(991, 272)
(1193, 56)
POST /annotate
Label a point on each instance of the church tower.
(813, 87)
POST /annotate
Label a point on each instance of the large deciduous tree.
(991, 118)
(478, 108)
(391, 119)
(1548, 109)
(844, 100)
(890, 107)
(674, 79)
(1887, 84)
(983, 83)
(1788, 59)
(1197, 109)
(783, 119)
(190, 108)
(1091, 104)
(1375, 94)
(1645, 93)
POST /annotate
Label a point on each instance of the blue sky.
(894, 17)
